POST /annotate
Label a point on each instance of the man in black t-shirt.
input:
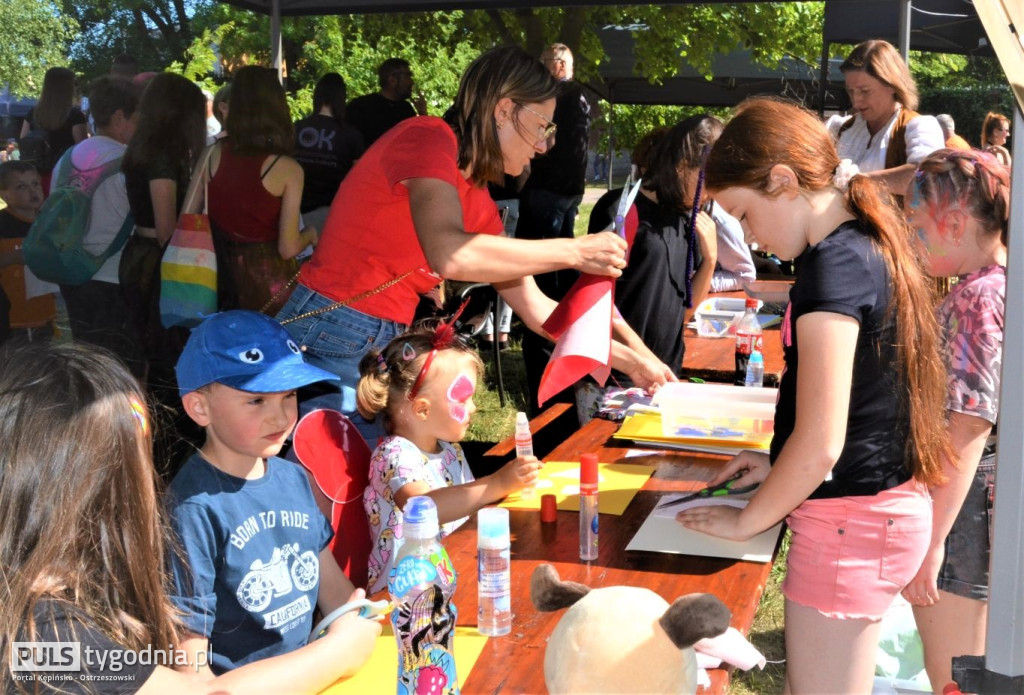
(375, 114)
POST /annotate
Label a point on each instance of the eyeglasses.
(544, 132)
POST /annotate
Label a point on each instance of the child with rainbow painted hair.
(422, 384)
(959, 204)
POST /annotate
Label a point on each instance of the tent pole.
(611, 137)
(1004, 642)
(275, 38)
(823, 79)
(904, 31)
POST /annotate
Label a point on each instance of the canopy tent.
(319, 7)
(736, 77)
(935, 25)
(942, 26)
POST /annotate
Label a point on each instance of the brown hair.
(11, 167)
(881, 60)
(497, 74)
(992, 121)
(171, 127)
(80, 518)
(765, 132)
(55, 101)
(973, 180)
(388, 376)
(644, 150)
(386, 69)
(684, 145)
(258, 118)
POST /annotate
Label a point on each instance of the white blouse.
(923, 136)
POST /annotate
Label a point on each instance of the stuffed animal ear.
(692, 618)
(549, 593)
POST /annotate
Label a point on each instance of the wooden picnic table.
(515, 663)
(714, 359)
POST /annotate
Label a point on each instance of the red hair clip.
(444, 336)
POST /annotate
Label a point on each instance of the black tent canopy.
(950, 26)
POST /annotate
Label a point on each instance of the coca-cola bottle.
(748, 339)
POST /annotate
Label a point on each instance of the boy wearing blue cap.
(255, 561)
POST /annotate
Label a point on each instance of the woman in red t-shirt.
(415, 210)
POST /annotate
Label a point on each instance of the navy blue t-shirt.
(253, 549)
(846, 274)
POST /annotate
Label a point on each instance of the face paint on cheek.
(459, 391)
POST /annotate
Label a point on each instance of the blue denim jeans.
(337, 341)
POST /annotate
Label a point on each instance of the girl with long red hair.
(859, 424)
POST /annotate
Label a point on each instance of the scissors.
(372, 610)
(720, 490)
(629, 192)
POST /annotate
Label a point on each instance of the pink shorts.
(850, 556)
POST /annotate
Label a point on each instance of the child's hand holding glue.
(520, 473)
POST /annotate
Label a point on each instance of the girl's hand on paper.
(753, 467)
(718, 520)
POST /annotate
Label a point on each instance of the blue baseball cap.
(246, 351)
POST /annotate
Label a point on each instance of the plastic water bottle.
(588, 506)
(421, 585)
(494, 572)
(755, 370)
(524, 447)
(748, 339)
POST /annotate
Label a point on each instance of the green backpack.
(53, 248)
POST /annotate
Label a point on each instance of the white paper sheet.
(661, 533)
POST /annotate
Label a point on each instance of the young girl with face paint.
(422, 384)
(859, 423)
(958, 204)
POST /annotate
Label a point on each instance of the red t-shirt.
(369, 236)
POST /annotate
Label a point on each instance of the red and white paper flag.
(581, 325)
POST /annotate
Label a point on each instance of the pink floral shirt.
(397, 462)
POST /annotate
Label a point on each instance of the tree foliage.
(36, 37)
(439, 45)
(155, 32)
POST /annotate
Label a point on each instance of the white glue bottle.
(524, 447)
(494, 572)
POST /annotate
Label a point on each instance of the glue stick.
(588, 507)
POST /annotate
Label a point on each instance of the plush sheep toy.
(623, 639)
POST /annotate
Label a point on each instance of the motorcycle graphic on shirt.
(287, 569)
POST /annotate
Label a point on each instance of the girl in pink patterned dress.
(423, 384)
(958, 203)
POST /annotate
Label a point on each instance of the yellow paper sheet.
(380, 675)
(646, 427)
(617, 484)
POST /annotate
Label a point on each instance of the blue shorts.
(964, 572)
(336, 341)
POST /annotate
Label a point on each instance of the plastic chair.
(337, 460)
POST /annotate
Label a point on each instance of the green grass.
(492, 423)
